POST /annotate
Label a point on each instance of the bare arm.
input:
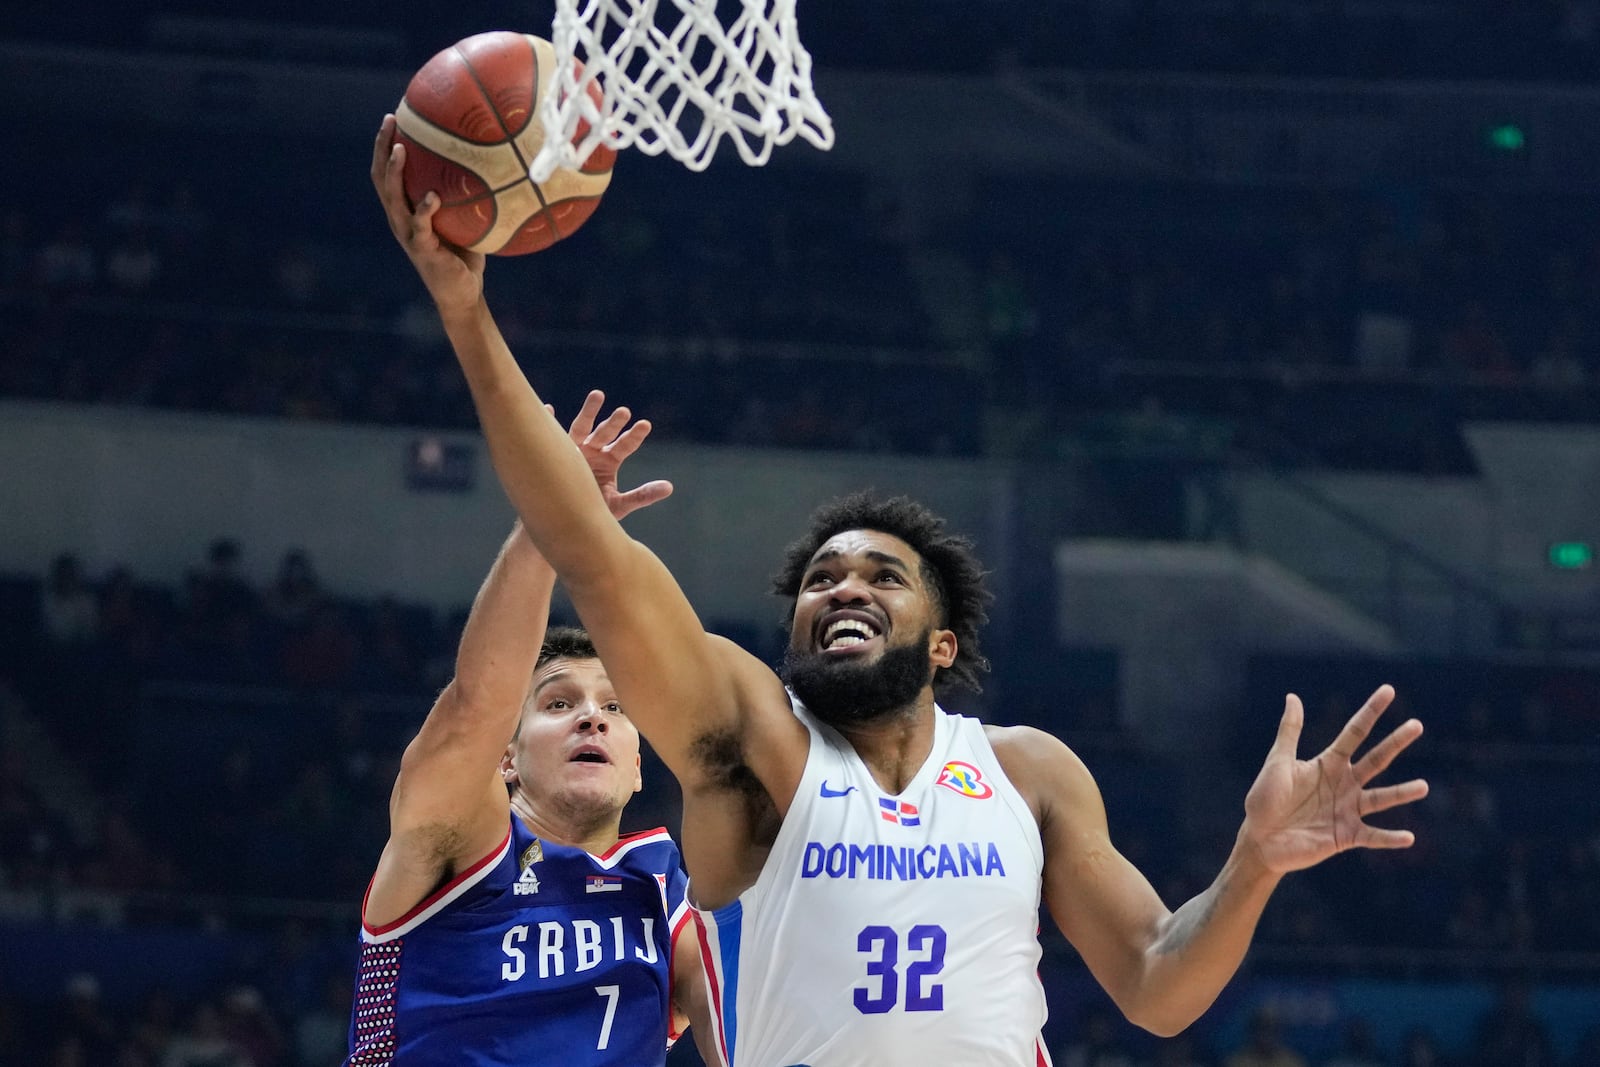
(691, 1002)
(1165, 968)
(679, 686)
(449, 806)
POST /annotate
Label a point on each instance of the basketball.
(470, 124)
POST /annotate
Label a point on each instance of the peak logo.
(965, 779)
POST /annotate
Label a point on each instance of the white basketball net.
(678, 89)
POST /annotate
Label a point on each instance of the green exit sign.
(1571, 555)
(1506, 137)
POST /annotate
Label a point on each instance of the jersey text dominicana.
(887, 930)
(539, 953)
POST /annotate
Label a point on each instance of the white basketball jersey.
(883, 929)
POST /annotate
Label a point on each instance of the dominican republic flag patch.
(898, 812)
(602, 883)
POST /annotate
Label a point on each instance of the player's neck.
(593, 833)
(895, 745)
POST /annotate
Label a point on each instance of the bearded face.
(865, 640)
(845, 692)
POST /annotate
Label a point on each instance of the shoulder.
(1032, 751)
(645, 846)
(1048, 774)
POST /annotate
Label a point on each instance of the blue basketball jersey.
(538, 953)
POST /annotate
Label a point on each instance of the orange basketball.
(470, 124)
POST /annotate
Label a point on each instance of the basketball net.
(677, 90)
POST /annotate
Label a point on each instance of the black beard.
(844, 692)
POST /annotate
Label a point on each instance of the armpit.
(720, 757)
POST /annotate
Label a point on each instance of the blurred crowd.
(1357, 328)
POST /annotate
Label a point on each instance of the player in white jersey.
(887, 606)
(882, 913)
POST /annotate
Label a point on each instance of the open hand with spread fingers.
(606, 446)
(1300, 812)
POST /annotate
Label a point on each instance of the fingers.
(606, 434)
(642, 497)
(583, 421)
(1392, 796)
(422, 218)
(388, 177)
(1372, 837)
(1287, 742)
(1383, 753)
(613, 435)
(629, 441)
(381, 147)
(1360, 725)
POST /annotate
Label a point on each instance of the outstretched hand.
(454, 276)
(1300, 812)
(606, 446)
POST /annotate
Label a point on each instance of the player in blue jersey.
(508, 923)
(867, 867)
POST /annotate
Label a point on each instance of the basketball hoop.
(677, 90)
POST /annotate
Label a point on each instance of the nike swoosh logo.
(846, 791)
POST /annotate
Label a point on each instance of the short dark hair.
(949, 566)
(560, 642)
(566, 642)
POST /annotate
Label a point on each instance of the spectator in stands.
(1177, 1052)
(1358, 1048)
(249, 1025)
(67, 603)
(223, 580)
(1475, 923)
(153, 1029)
(67, 263)
(133, 265)
(16, 250)
(34, 843)
(322, 655)
(120, 860)
(1475, 347)
(322, 1034)
(1265, 1047)
(1420, 1048)
(205, 1044)
(296, 593)
(84, 1021)
(1510, 1034)
(392, 661)
(1094, 1044)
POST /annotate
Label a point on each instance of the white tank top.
(883, 929)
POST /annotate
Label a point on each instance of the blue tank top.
(538, 953)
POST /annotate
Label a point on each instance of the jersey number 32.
(923, 960)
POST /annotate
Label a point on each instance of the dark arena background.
(1255, 342)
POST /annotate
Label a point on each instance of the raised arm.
(680, 686)
(1165, 968)
(449, 806)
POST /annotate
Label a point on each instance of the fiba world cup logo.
(965, 779)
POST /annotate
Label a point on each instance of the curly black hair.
(566, 642)
(949, 566)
